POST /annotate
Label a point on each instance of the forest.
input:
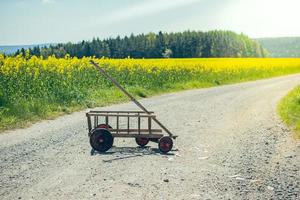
(187, 44)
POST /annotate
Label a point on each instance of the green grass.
(289, 110)
(25, 113)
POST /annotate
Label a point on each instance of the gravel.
(231, 145)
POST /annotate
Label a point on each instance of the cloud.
(47, 1)
(145, 8)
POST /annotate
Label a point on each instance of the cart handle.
(106, 75)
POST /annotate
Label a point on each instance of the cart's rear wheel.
(101, 140)
(104, 126)
(142, 141)
(165, 144)
(108, 127)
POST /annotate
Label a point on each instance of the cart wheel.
(165, 144)
(101, 140)
(142, 141)
(104, 126)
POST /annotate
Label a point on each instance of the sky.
(52, 21)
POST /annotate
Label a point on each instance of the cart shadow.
(121, 153)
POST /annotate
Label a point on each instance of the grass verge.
(289, 110)
(35, 111)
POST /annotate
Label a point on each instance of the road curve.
(231, 145)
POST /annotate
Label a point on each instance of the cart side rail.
(106, 115)
(114, 111)
(119, 115)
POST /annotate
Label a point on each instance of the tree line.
(187, 44)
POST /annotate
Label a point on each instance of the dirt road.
(231, 145)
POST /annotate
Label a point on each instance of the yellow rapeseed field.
(34, 87)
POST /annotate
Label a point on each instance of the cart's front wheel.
(142, 141)
(165, 144)
(101, 140)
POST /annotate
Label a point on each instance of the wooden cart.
(104, 126)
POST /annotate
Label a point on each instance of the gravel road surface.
(231, 145)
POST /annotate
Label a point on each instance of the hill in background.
(11, 49)
(282, 46)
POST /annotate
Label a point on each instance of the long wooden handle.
(106, 75)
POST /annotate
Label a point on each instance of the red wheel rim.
(165, 145)
(103, 126)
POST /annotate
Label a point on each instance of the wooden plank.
(128, 124)
(95, 122)
(117, 124)
(137, 135)
(113, 111)
(106, 120)
(149, 125)
(121, 115)
(139, 125)
(89, 122)
(135, 130)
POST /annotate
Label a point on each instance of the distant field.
(33, 88)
